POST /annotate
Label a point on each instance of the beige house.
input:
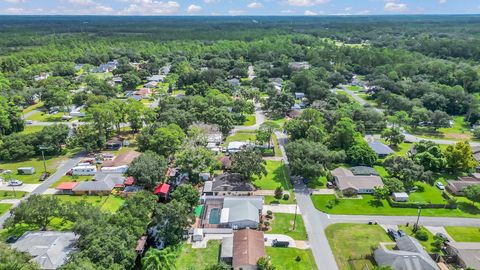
(350, 184)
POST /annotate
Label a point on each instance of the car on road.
(15, 183)
(44, 176)
(443, 236)
(440, 185)
(393, 234)
(29, 122)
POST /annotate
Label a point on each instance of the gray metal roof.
(363, 170)
(380, 148)
(243, 208)
(49, 249)
(227, 247)
(103, 182)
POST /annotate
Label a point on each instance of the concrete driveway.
(24, 187)
(281, 208)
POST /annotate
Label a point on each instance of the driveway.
(435, 230)
(40, 189)
(281, 208)
(24, 187)
(259, 119)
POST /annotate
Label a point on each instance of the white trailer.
(84, 170)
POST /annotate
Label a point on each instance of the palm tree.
(156, 259)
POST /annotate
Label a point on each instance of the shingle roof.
(103, 182)
(230, 182)
(380, 148)
(248, 247)
(341, 172)
(359, 182)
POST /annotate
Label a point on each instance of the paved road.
(401, 220)
(259, 119)
(61, 171)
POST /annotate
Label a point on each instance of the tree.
(393, 184)
(393, 136)
(170, 221)
(160, 259)
(10, 259)
(88, 137)
(164, 140)
(186, 194)
(459, 157)
(130, 81)
(361, 154)
(343, 134)
(219, 266)
(404, 169)
(308, 124)
(381, 193)
(264, 263)
(36, 210)
(195, 160)
(311, 159)
(278, 193)
(248, 162)
(473, 193)
(429, 155)
(265, 132)
(148, 169)
(135, 112)
(278, 104)
(53, 137)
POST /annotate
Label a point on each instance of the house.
(298, 65)
(235, 82)
(299, 95)
(243, 249)
(380, 149)
(84, 170)
(103, 184)
(117, 80)
(26, 170)
(241, 212)
(42, 76)
(49, 249)
(409, 255)
(166, 69)
(66, 188)
(350, 184)
(456, 187)
(277, 83)
(141, 243)
(400, 196)
(143, 92)
(162, 190)
(228, 184)
(151, 84)
(156, 78)
(237, 146)
(121, 160)
(466, 253)
(113, 145)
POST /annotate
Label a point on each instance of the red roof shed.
(129, 181)
(67, 185)
(162, 189)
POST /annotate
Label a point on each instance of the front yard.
(272, 200)
(4, 195)
(108, 203)
(52, 164)
(283, 224)
(286, 258)
(277, 176)
(351, 243)
(240, 136)
(198, 258)
(426, 244)
(250, 120)
(367, 205)
(4, 208)
(464, 234)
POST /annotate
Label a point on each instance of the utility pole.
(295, 218)
(43, 148)
(418, 218)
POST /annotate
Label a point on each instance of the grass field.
(31, 129)
(4, 195)
(430, 194)
(277, 176)
(4, 208)
(250, 120)
(285, 258)
(459, 127)
(32, 107)
(107, 203)
(198, 258)
(45, 117)
(283, 224)
(69, 178)
(464, 234)
(240, 136)
(19, 229)
(272, 200)
(354, 241)
(52, 164)
(354, 88)
(276, 148)
(369, 206)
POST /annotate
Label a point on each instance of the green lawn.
(69, 178)
(459, 127)
(381, 171)
(430, 194)
(45, 117)
(240, 136)
(31, 129)
(36, 162)
(354, 88)
(402, 149)
(4, 195)
(32, 107)
(354, 241)
(464, 234)
(198, 258)
(278, 152)
(283, 224)
(426, 244)
(109, 203)
(250, 120)
(19, 229)
(285, 258)
(369, 206)
(4, 208)
(277, 176)
(272, 200)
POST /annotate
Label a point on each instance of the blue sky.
(238, 7)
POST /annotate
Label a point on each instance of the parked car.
(440, 185)
(330, 185)
(276, 243)
(372, 222)
(443, 236)
(393, 234)
(7, 172)
(44, 176)
(15, 183)
(70, 172)
(11, 239)
(29, 122)
(401, 233)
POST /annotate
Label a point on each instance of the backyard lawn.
(4, 195)
(45, 117)
(109, 203)
(367, 205)
(250, 120)
(198, 258)
(354, 241)
(52, 164)
(285, 258)
(430, 194)
(240, 136)
(459, 127)
(4, 208)
(283, 224)
(464, 234)
(276, 176)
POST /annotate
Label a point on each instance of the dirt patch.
(458, 136)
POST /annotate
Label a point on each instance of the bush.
(298, 258)
(421, 235)
(266, 223)
(278, 193)
(269, 212)
(286, 197)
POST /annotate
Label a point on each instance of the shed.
(140, 248)
(299, 95)
(197, 234)
(162, 190)
(66, 187)
(400, 196)
(26, 170)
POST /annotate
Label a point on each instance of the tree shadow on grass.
(375, 203)
(280, 176)
(468, 208)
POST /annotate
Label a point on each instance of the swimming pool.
(214, 217)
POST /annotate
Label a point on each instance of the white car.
(440, 185)
(15, 183)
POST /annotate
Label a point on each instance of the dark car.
(401, 233)
(443, 236)
(11, 239)
(44, 176)
(276, 243)
(393, 234)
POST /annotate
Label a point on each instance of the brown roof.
(459, 186)
(248, 247)
(341, 172)
(123, 159)
(359, 182)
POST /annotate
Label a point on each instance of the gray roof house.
(350, 184)
(228, 184)
(409, 256)
(380, 149)
(104, 183)
(467, 253)
(49, 249)
(241, 212)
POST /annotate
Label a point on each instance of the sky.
(237, 7)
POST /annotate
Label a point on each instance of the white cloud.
(442, 1)
(151, 7)
(309, 13)
(395, 7)
(194, 9)
(81, 2)
(348, 9)
(255, 5)
(14, 1)
(210, 1)
(306, 3)
(236, 12)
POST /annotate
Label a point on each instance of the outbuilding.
(26, 170)
(400, 196)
